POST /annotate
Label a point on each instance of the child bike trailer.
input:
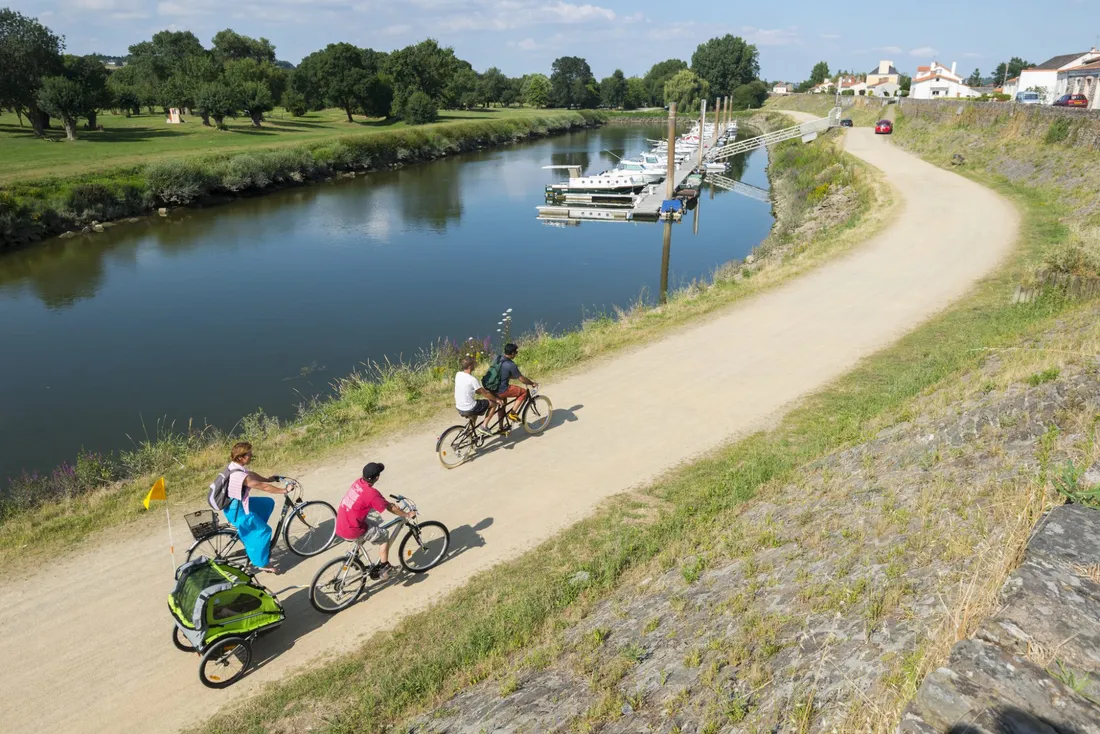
(219, 610)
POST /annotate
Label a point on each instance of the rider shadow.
(518, 435)
(463, 538)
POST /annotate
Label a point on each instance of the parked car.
(1028, 98)
(1072, 100)
(846, 122)
(884, 127)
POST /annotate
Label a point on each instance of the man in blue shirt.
(510, 371)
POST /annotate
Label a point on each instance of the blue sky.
(522, 36)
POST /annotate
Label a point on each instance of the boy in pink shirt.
(359, 516)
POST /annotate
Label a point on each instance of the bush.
(244, 172)
(848, 93)
(420, 109)
(1057, 132)
(179, 182)
(294, 102)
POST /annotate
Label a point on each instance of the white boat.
(609, 182)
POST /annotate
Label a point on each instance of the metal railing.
(803, 130)
(724, 182)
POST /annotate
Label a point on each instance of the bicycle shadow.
(518, 435)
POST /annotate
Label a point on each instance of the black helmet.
(372, 470)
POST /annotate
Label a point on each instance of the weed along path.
(96, 628)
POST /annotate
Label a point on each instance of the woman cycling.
(250, 514)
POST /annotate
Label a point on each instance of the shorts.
(373, 532)
(479, 409)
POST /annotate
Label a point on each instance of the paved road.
(85, 643)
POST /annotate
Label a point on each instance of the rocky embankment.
(824, 606)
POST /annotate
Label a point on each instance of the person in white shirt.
(467, 390)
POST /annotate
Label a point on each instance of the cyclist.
(358, 518)
(250, 514)
(467, 390)
(510, 371)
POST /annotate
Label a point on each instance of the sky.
(524, 36)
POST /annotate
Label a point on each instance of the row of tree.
(241, 75)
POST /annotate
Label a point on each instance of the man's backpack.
(491, 380)
(218, 498)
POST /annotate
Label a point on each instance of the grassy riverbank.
(34, 208)
(48, 513)
(677, 526)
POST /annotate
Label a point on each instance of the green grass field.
(127, 141)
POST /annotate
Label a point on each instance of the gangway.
(807, 131)
(725, 182)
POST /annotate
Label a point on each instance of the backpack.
(218, 499)
(491, 380)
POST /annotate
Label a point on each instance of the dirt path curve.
(85, 645)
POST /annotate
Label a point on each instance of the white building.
(782, 88)
(1044, 77)
(936, 81)
(883, 89)
(1083, 79)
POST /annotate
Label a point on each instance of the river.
(210, 314)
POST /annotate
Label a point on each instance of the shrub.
(1057, 132)
(419, 109)
(243, 172)
(180, 181)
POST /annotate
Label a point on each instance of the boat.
(609, 182)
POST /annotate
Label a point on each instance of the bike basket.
(202, 523)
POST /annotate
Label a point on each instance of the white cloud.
(181, 9)
(830, 36)
(396, 30)
(527, 44)
(889, 49)
(923, 51)
(771, 36)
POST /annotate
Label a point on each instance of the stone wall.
(1035, 665)
(1008, 118)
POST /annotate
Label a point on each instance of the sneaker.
(385, 571)
(483, 431)
(513, 417)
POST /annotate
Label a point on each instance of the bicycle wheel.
(454, 447)
(311, 528)
(181, 642)
(221, 545)
(537, 414)
(424, 546)
(224, 662)
(337, 585)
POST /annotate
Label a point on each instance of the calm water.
(211, 314)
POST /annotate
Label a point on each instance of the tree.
(686, 88)
(261, 83)
(536, 90)
(376, 96)
(749, 96)
(726, 63)
(637, 94)
(975, 79)
(819, 73)
(294, 102)
(230, 46)
(571, 82)
(462, 90)
(256, 99)
(218, 100)
(426, 67)
(62, 97)
(613, 90)
(336, 75)
(91, 76)
(656, 77)
(491, 85)
(419, 109)
(29, 51)
(511, 93)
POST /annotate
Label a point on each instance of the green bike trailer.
(219, 610)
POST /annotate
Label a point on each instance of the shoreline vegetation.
(478, 635)
(824, 200)
(33, 210)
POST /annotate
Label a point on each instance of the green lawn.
(144, 138)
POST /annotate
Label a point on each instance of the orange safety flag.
(156, 493)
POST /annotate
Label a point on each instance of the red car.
(884, 127)
(1072, 100)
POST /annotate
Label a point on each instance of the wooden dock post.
(666, 251)
(702, 125)
(670, 176)
(717, 109)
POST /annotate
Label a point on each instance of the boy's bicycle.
(308, 528)
(458, 443)
(341, 581)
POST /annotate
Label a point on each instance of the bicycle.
(341, 581)
(457, 444)
(307, 528)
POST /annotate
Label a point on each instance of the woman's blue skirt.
(252, 527)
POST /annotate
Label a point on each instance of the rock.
(580, 577)
(85, 229)
(97, 227)
(163, 211)
(133, 220)
(1091, 477)
(750, 259)
(1068, 536)
(67, 235)
(994, 691)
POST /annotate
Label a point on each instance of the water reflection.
(666, 252)
(61, 272)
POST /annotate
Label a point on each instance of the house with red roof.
(936, 81)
